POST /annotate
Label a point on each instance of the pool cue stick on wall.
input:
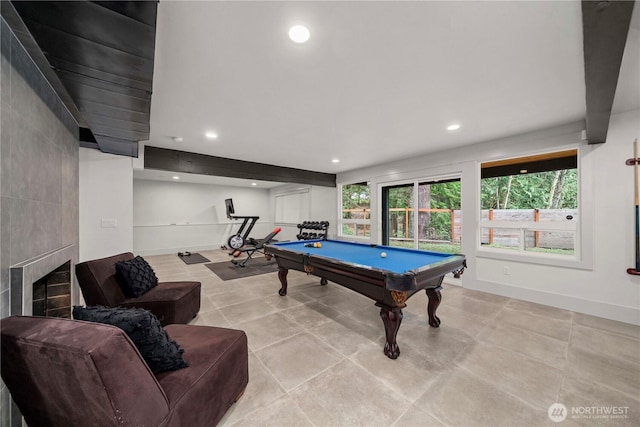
(634, 162)
(635, 181)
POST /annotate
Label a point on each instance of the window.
(292, 207)
(530, 204)
(440, 221)
(355, 220)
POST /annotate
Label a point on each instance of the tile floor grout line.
(272, 377)
(277, 341)
(535, 358)
(566, 361)
(515, 396)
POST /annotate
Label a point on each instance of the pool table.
(388, 275)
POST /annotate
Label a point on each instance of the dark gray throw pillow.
(144, 329)
(135, 276)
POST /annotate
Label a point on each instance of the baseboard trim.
(605, 310)
(168, 251)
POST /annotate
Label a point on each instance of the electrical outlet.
(109, 223)
(506, 271)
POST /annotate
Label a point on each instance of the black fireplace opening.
(52, 293)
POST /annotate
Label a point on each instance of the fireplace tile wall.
(38, 176)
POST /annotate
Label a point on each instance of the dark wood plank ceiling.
(103, 53)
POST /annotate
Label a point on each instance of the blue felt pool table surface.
(398, 260)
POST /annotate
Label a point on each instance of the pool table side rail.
(407, 281)
(369, 285)
(414, 279)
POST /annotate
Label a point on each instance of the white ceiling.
(377, 81)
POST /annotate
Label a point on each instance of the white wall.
(322, 207)
(178, 216)
(159, 217)
(606, 290)
(105, 193)
(599, 284)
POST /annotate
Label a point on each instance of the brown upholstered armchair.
(171, 302)
(67, 372)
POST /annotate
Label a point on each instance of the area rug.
(229, 271)
(193, 258)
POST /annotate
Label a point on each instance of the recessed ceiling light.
(299, 33)
(176, 177)
(177, 139)
(211, 135)
(254, 184)
(453, 127)
(335, 160)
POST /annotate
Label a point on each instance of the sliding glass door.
(436, 223)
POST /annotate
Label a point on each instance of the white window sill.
(535, 258)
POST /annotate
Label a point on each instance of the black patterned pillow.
(135, 276)
(144, 329)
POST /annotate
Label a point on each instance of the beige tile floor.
(315, 357)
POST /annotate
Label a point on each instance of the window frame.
(342, 221)
(582, 228)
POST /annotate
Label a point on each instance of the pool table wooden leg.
(434, 301)
(282, 275)
(391, 317)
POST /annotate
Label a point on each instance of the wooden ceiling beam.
(605, 26)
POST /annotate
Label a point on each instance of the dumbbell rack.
(320, 230)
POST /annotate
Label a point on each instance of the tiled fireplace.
(52, 293)
(42, 286)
